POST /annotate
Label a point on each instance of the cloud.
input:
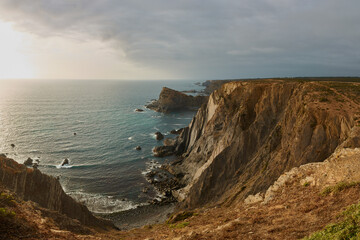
(208, 39)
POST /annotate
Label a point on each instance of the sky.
(184, 39)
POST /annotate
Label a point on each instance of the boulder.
(28, 162)
(176, 132)
(163, 151)
(139, 110)
(65, 162)
(159, 136)
(138, 148)
(169, 142)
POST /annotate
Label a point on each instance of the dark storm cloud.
(209, 39)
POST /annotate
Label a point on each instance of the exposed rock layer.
(172, 100)
(31, 184)
(249, 133)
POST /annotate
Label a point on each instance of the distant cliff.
(31, 184)
(172, 100)
(251, 132)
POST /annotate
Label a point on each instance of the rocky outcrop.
(159, 136)
(31, 184)
(172, 100)
(251, 132)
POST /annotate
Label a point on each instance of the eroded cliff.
(31, 184)
(251, 132)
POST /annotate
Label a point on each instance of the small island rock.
(65, 161)
(28, 162)
(138, 148)
(159, 136)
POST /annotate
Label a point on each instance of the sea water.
(94, 124)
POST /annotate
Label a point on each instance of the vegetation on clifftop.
(348, 228)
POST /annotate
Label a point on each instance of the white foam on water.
(63, 166)
(98, 203)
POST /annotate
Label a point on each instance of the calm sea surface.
(105, 171)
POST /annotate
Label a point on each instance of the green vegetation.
(306, 184)
(6, 213)
(338, 187)
(6, 200)
(179, 225)
(348, 228)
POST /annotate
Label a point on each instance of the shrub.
(338, 187)
(348, 228)
(179, 225)
(4, 213)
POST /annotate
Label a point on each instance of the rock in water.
(159, 136)
(176, 132)
(139, 110)
(172, 100)
(138, 148)
(65, 161)
(28, 162)
(163, 151)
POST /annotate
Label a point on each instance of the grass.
(6, 200)
(348, 228)
(6, 213)
(179, 225)
(338, 187)
(306, 184)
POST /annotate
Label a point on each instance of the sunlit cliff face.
(13, 61)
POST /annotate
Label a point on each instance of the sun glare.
(13, 61)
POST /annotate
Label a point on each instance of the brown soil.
(296, 213)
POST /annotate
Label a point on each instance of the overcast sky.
(162, 39)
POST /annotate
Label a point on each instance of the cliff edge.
(46, 191)
(251, 132)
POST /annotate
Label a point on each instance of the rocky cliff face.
(249, 133)
(172, 100)
(31, 184)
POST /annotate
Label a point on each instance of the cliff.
(251, 132)
(46, 191)
(172, 100)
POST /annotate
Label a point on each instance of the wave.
(66, 166)
(98, 203)
(151, 165)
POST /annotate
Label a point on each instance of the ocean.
(105, 173)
